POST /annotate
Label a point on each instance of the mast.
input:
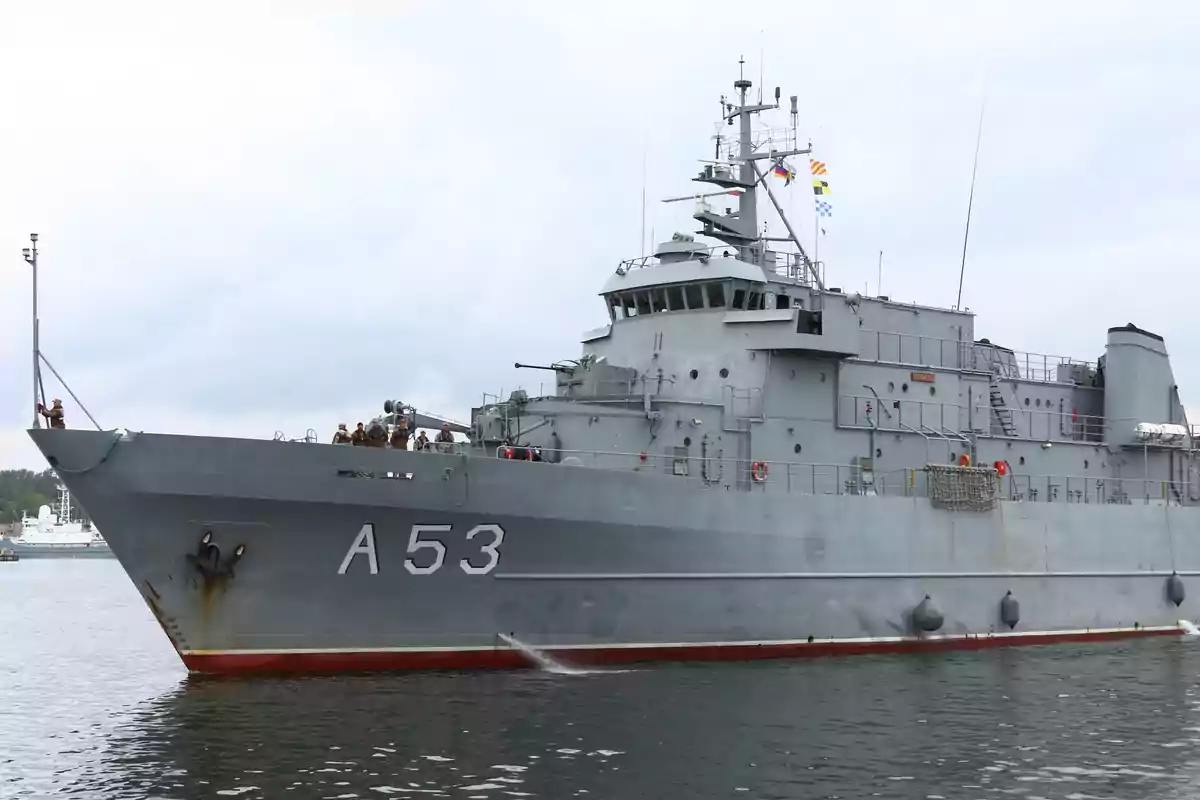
(739, 171)
(31, 257)
(748, 200)
(962, 268)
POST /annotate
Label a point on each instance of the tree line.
(22, 490)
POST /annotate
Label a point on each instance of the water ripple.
(96, 705)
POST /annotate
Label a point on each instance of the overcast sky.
(272, 216)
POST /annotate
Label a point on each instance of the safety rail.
(848, 479)
(914, 350)
(888, 413)
(1084, 489)
(952, 419)
(930, 351)
(784, 263)
(714, 470)
(1048, 426)
(448, 448)
(1042, 368)
(310, 437)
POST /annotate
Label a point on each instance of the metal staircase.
(1003, 413)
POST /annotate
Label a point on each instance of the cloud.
(276, 215)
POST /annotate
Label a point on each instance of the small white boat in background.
(57, 535)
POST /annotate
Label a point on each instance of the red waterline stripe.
(333, 661)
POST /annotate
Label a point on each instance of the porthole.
(1026, 401)
(796, 449)
(932, 390)
(891, 386)
(822, 377)
(904, 387)
(1021, 461)
(1085, 464)
(687, 441)
(694, 374)
(878, 453)
(724, 373)
(1038, 402)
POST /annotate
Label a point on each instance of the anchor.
(208, 562)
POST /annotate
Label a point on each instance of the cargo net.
(962, 488)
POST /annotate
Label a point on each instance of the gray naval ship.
(742, 463)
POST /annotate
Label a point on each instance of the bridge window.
(716, 295)
(679, 297)
(754, 303)
(782, 301)
(739, 298)
(675, 299)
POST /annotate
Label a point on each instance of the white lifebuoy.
(758, 471)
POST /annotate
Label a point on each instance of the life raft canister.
(758, 471)
(964, 460)
(1001, 468)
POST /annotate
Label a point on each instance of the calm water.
(93, 703)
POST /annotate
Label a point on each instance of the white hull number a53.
(427, 549)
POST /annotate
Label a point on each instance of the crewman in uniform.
(444, 439)
(422, 442)
(400, 435)
(342, 436)
(376, 435)
(359, 437)
(53, 415)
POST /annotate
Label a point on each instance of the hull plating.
(425, 570)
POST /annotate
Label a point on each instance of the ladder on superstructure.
(1003, 413)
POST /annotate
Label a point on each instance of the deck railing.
(894, 414)
(720, 473)
(941, 419)
(931, 351)
(848, 479)
(784, 263)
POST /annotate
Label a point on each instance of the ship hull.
(340, 573)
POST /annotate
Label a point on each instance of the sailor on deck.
(376, 435)
(444, 439)
(342, 436)
(422, 442)
(54, 415)
(359, 437)
(400, 435)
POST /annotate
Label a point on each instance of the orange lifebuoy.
(758, 471)
(964, 460)
(1001, 468)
